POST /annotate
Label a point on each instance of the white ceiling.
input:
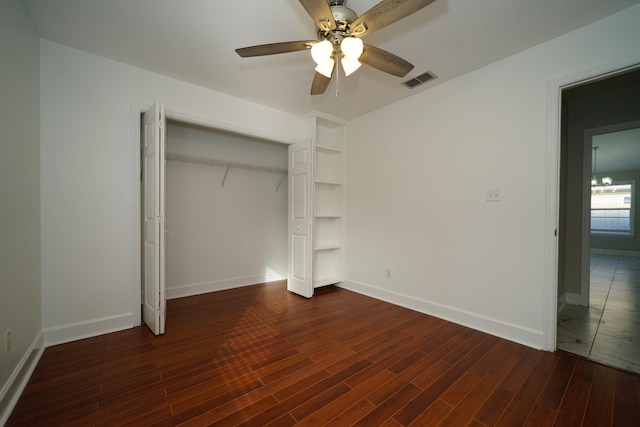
(617, 151)
(194, 41)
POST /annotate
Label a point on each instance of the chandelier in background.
(606, 180)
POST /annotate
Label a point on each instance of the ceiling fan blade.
(320, 84)
(386, 13)
(321, 13)
(385, 61)
(274, 48)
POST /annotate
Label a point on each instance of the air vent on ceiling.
(417, 81)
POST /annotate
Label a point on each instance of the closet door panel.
(153, 306)
(300, 280)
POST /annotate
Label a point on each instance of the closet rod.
(227, 164)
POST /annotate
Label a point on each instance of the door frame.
(552, 202)
(137, 109)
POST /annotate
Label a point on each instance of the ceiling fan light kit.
(339, 33)
(350, 65)
(351, 48)
(321, 52)
(326, 68)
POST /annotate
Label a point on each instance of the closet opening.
(225, 210)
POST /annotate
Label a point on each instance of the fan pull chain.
(337, 77)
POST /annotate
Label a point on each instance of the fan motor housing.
(343, 14)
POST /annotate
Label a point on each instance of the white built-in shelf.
(328, 191)
(326, 281)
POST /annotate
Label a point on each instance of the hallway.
(608, 331)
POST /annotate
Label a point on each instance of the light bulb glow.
(352, 48)
(350, 65)
(321, 52)
(326, 68)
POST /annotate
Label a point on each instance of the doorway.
(594, 261)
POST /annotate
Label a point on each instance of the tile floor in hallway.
(608, 331)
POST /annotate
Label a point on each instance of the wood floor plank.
(520, 406)
(554, 389)
(479, 344)
(599, 410)
(352, 414)
(347, 400)
(433, 415)
(626, 412)
(386, 409)
(260, 355)
(572, 407)
(628, 385)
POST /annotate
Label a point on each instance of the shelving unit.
(328, 201)
(316, 206)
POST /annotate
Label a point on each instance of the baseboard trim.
(13, 388)
(615, 252)
(562, 302)
(575, 299)
(91, 328)
(191, 289)
(525, 336)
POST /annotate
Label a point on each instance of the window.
(612, 209)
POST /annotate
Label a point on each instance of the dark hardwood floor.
(259, 356)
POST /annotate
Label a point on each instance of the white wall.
(19, 195)
(417, 172)
(222, 237)
(89, 177)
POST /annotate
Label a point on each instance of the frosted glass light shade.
(350, 65)
(351, 47)
(321, 52)
(326, 69)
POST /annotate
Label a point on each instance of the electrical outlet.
(494, 195)
(7, 341)
(388, 273)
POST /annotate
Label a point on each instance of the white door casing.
(153, 167)
(300, 278)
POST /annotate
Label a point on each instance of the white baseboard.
(562, 302)
(16, 383)
(576, 299)
(191, 289)
(615, 252)
(90, 328)
(526, 336)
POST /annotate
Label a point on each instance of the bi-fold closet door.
(316, 207)
(153, 213)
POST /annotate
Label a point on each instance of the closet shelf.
(327, 181)
(326, 282)
(327, 247)
(223, 163)
(327, 149)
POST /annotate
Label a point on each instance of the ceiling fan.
(339, 33)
